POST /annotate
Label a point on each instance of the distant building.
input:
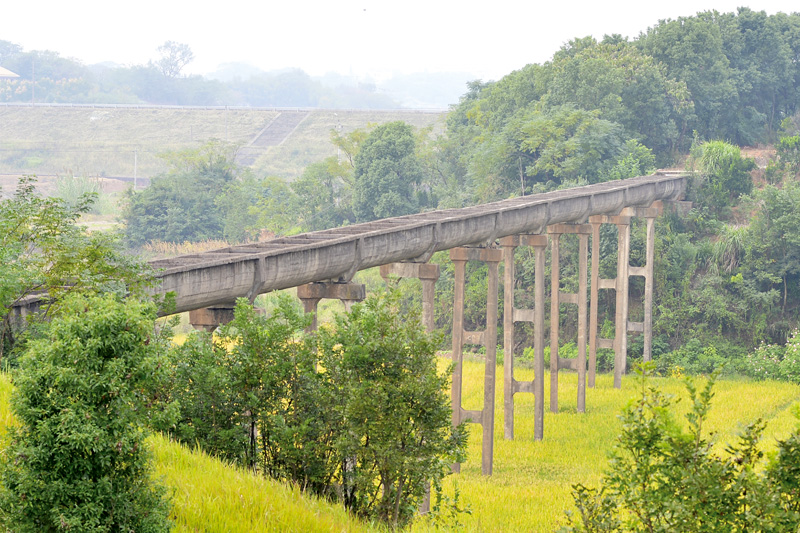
(7, 74)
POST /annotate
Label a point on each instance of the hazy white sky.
(487, 39)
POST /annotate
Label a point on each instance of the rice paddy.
(530, 488)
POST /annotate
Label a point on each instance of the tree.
(324, 194)
(386, 173)
(564, 144)
(44, 251)
(174, 57)
(692, 50)
(181, 205)
(390, 408)
(78, 461)
(627, 87)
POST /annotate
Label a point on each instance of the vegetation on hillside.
(77, 460)
(357, 413)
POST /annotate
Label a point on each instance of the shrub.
(78, 459)
(765, 362)
(790, 365)
(358, 412)
(664, 478)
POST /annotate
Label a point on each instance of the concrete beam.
(203, 280)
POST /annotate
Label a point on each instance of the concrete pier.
(488, 338)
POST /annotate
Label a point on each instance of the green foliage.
(78, 459)
(390, 406)
(180, 205)
(324, 195)
(279, 394)
(725, 175)
(637, 160)
(195, 399)
(386, 173)
(358, 412)
(664, 478)
(44, 250)
(788, 150)
(565, 144)
(275, 210)
(771, 361)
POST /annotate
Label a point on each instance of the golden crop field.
(530, 488)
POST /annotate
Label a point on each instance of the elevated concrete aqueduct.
(322, 264)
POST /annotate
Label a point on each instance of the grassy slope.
(94, 142)
(101, 141)
(530, 487)
(210, 496)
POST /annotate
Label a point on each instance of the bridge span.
(219, 277)
(322, 264)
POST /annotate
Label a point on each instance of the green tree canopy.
(180, 205)
(43, 250)
(386, 173)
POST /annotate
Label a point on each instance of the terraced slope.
(115, 141)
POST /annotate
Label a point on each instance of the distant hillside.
(119, 141)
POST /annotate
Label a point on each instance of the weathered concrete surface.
(219, 277)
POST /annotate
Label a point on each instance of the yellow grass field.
(530, 488)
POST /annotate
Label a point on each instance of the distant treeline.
(45, 76)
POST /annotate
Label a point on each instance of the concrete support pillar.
(620, 284)
(538, 344)
(311, 293)
(583, 251)
(646, 271)
(555, 288)
(511, 315)
(488, 338)
(580, 299)
(457, 353)
(648, 290)
(209, 318)
(428, 274)
(621, 317)
(594, 298)
(508, 338)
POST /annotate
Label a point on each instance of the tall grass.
(162, 250)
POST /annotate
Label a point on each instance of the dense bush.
(181, 205)
(771, 361)
(44, 249)
(664, 478)
(358, 412)
(78, 459)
